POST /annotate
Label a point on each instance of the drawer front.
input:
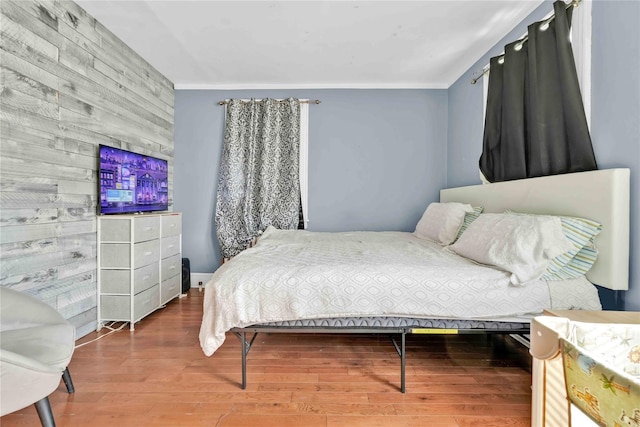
(115, 281)
(145, 302)
(170, 289)
(171, 266)
(115, 255)
(144, 253)
(115, 230)
(146, 228)
(145, 277)
(169, 246)
(118, 307)
(115, 307)
(171, 225)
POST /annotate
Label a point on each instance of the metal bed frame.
(246, 345)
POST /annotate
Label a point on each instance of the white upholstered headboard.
(601, 195)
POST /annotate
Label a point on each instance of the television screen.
(131, 182)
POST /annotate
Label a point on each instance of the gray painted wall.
(68, 84)
(377, 158)
(615, 104)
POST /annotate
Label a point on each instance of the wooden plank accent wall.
(67, 84)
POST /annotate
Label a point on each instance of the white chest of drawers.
(139, 265)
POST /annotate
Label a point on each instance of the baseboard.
(198, 280)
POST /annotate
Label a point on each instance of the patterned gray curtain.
(535, 123)
(259, 181)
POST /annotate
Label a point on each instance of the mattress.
(293, 275)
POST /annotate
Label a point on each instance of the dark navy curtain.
(535, 123)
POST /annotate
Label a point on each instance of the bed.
(379, 290)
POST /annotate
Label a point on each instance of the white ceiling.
(310, 44)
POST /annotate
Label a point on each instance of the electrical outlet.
(200, 286)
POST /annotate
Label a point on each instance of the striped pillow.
(576, 262)
(577, 266)
(469, 217)
(581, 232)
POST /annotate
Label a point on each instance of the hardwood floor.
(158, 376)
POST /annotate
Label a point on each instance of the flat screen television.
(131, 182)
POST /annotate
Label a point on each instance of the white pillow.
(521, 245)
(442, 221)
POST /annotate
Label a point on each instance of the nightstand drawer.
(146, 228)
(115, 255)
(119, 281)
(171, 266)
(171, 225)
(170, 288)
(115, 281)
(118, 307)
(169, 246)
(145, 253)
(115, 230)
(145, 277)
(146, 302)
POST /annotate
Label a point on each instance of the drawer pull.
(173, 267)
(148, 253)
(146, 277)
(147, 228)
(171, 246)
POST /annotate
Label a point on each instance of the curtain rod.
(310, 101)
(485, 70)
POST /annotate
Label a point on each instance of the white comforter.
(302, 275)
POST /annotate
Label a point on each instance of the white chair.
(36, 345)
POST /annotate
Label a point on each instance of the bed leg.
(403, 364)
(244, 360)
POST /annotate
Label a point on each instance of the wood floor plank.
(316, 408)
(493, 421)
(239, 420)
(159, 376)
(391, 376)
(510, 410)
(397, 421)
(311, 396)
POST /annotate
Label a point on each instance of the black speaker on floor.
(186, 275)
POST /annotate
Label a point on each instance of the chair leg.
(66, 377)
(44, 412)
